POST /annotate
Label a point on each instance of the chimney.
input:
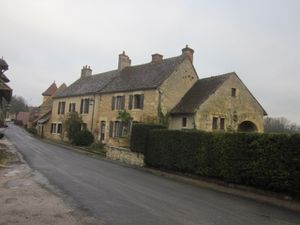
(86, 71)
(124, 61)
(187, 51)
(157, 58)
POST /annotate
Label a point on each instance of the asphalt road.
(120, 195)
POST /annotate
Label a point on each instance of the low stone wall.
(125, 155)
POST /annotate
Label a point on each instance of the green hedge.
(139, 136)
(267, 161)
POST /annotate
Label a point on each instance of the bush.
(139, 136)
(267, 161)
(32, 130)
(83, 138)
(73, 125)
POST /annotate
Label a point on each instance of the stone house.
(151, 91)
(221, 103)
(43, 123)
(145, 91)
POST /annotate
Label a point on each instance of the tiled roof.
(50, 91)
(198, 94)
(90, 84)
(145, 76)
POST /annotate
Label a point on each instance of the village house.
(145, 91)
(218, 103)
(154, 90)
(43, 121)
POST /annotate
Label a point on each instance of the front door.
(102, 131)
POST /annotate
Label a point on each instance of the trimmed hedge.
(139, 136)
(267, 161)
(83, 138)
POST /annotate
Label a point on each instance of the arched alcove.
(247, 126)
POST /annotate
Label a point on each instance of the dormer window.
(233, 92)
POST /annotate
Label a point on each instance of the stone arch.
(247, 126)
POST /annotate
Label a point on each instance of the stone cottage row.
(148, 92)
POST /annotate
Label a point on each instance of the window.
(84, 105)
(215, 123)
(56, 128)
(233, 92)
(72, 107)
(59, 128)
(138, 101)
(117, 130)
(118, 102)
(184, 121)
(222, 123)
(53, 128)
(61, 107)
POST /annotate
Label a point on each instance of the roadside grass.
(3, 154)
(95, 148)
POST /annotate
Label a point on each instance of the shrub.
(32, 130)
(139, 136)
(73, 125)
(267, 161)
(83, 138)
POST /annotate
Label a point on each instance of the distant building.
(43, 121)
(23, 117)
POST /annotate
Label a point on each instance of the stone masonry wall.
(175, 87)
(222, 105)
(125, 155)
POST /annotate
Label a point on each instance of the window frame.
(233, 92)
(222, 123)
(184, 122)
(61, 107)
(215, 123)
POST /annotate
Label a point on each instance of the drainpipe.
(93, 114)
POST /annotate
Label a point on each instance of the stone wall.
(176, 85)
(235, 110)
(125, 155)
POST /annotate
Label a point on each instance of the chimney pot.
(189, 52)
(124, 61)
(157, 58)
(86, 71)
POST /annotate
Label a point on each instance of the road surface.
(120, 195)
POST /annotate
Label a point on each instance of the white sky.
(47, 40)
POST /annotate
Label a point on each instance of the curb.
(237, 190)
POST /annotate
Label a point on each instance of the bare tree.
(280, 125)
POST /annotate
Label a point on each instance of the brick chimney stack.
(86, 71)
(124, 61)
(187, 51)
(157, 58)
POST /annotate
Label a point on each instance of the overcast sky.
(50, 40)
